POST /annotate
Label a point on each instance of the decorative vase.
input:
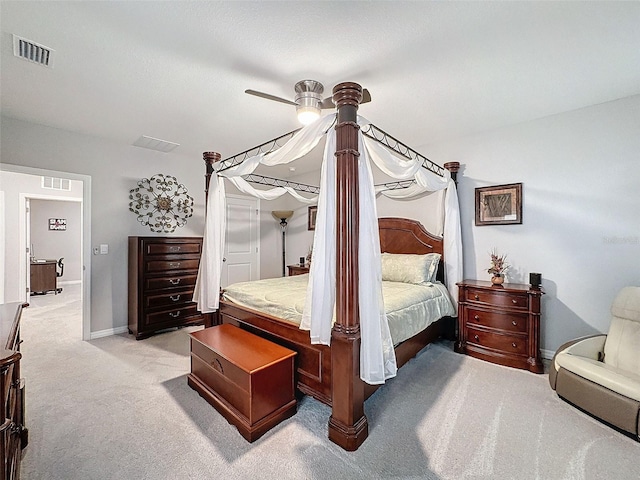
(497, 279)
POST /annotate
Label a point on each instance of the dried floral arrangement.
(499, 266)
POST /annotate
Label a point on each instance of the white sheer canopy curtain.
(377, 356)
(207, 288)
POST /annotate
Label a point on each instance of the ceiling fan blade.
(270, 97)
(328, 102)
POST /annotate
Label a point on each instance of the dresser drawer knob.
(174, 281)
(514, 345)
(476, 318)
(175, 314)
(476, 297)
(174, 265)
(514, 323)
(475, 337)
(174, 249)
(174, 299)
(514, 301)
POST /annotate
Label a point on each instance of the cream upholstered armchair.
(601, 374)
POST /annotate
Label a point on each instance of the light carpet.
(117, 408)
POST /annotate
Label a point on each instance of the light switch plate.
(104, 249)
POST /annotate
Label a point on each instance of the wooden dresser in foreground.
(500, 324)
(246, 378)
(13, 433)
(162, 277)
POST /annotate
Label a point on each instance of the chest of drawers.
(500, 324)
(248, 379)
(162, 277)
(297, 270)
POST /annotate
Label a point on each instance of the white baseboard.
(69, 282)
(548, 354)
(108, 332)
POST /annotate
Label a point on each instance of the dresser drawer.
(174, 248)
(177, 298)
(173, 265)
(173, 281)
(504, 343)
(509, 322)
(176, 316)
(497, 298)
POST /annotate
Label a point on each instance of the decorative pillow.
(407, 268)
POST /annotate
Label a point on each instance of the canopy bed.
(341, 359)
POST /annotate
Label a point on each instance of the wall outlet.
(96, 250)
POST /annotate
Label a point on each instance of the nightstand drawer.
(497, 298)
(508, 344)
(509, 322)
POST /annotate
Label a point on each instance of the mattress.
(410, 308)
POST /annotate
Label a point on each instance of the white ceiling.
(436, 70)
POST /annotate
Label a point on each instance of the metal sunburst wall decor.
(161, 203)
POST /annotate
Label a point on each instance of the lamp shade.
(282, 214)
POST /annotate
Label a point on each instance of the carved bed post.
(348, 425)
(453, 167)
(209, 159)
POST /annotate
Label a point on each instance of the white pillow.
(407, 268)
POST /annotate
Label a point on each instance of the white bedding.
(410, 308)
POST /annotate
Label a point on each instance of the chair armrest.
(589, 347)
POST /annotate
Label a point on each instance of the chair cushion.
(622, 347)
(615, 379)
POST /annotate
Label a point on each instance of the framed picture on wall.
(499, 204)
(313, 211)
(57, 224)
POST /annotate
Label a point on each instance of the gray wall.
(581, 226)
(55, 244)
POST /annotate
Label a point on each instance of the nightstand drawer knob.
(475, 337)
(514, 301)
(514, 345)
(476, 318)
(476, 297)
(514, 323)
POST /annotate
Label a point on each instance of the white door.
(29, 246)
(241, 252)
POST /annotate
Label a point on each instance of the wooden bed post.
(209, 159)
(348, 425)
(453, 167)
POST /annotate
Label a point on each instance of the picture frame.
(499, 204)
(57, 224)
(313, 212)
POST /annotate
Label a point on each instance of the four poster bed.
(332, 373)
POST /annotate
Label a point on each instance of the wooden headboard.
(402, 235)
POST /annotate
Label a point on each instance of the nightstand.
(297, 270)
(500, 324)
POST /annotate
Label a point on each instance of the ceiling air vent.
(32, 51)
(155, 144)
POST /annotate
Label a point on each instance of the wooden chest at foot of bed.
(248, 379)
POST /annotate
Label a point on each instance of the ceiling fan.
(308, 99)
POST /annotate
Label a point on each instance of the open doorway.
(22, 186)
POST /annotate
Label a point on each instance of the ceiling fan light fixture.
(308, 114)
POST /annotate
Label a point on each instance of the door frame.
(86, 233)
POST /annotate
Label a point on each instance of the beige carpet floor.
(117, 408)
